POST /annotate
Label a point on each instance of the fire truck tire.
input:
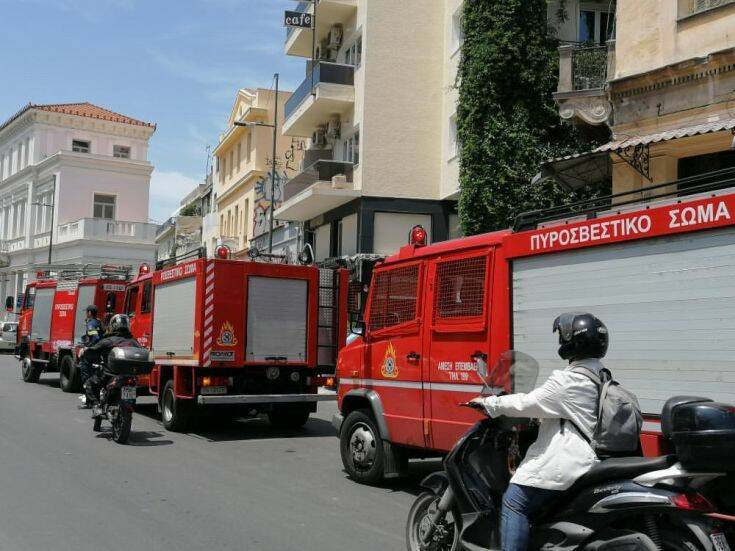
(174, 412)
(31, 373)
(286, 416)
(361, 448)
(69, 375)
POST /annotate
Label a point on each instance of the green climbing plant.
(507, 121)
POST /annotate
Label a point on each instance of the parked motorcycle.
(119, 389)
(654, 504)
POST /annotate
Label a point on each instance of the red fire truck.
(661, 276)
(52, 317)
(239, 337)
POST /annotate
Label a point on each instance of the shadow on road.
(138, 438)
(51, 381)
(411, 484)
(219, 429)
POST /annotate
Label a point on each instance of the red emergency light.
(223, 252)
(418, 236)
(144, 269)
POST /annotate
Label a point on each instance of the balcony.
(583, 75)
(329, 13)
(323, 186)
(99, 229)
(327, 91)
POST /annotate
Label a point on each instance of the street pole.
(273, 170)
(313, 45)
(51, 229)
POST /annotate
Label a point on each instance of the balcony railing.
(323, 73)
(589, 67)
(322, 170)
(106, 230)
(300, 7)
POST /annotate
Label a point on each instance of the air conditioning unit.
(333, 127)
(334, 38)
(319, 137)
(339, 181)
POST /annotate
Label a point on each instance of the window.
(702, 164)
(145, 305)
(692, 7)
(224, 167)
(248, 146)
(460, 288)
(104, 206)
(353, 54)
(457, 30)
(10, 327)
(239, 155)
(595, 26)
(216, 164)
(351, 149)
(131, 300)
(394, 298)
(30, 297)
(231, 165)
(121, 151)
(81, 146)
(453, 144)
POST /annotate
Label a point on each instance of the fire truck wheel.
(361, 447)
(286, 416)
(31, 373)
(68, 377)
(173, 411)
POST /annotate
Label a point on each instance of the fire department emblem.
(226, 335)
(390, 367)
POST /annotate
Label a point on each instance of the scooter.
(653, 504)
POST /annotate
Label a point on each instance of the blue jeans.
(86, 370)
(521, 503)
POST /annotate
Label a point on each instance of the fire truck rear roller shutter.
(173, 318)
(669, 304)
(41, 324)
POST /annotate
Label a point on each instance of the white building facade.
(76, 177)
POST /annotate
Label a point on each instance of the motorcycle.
(118, 394)
(654, 504)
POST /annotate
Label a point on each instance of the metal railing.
(589, 67)
(322, 170)
(323, 72)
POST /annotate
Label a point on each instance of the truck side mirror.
(357, 324)
(9, 303)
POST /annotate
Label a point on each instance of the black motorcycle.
(622, 503)
(119, 389)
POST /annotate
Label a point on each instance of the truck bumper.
(265, 399)
(337, 420)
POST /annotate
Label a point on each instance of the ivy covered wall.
(507, 121)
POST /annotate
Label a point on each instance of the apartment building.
(378, 111)
(183, 233)
(663, 86)
(74, 178)
(242, 163)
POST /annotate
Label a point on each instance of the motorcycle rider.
(119, 335)
(560, 454)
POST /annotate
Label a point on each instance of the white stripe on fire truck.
(207, 331)
(210, 289)
(210, 266)
(447, 387)
(207, 342)
(209, 310)
(208, 321)
(209, 297)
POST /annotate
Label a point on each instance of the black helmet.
(581, 335)
(119, 322)
(92, 309)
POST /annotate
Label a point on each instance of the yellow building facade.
(242, 160)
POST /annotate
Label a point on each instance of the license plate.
(214, 390)
(128, 393)
(719, 541)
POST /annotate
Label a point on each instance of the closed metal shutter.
(277, 317)
(41, 323)
(85, 297)
(669, 304)
(173, 318)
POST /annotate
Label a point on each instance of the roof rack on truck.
(75, 272)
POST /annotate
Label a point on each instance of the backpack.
(619, 418)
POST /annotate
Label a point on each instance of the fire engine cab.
(238, 337)
(660, 275)
(52, 317)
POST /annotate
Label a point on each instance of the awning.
(594, 168)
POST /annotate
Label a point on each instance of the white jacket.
(560, 454)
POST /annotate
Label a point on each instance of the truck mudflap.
(265, 399)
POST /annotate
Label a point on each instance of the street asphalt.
(241, 486)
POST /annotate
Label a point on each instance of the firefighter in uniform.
(92, 335)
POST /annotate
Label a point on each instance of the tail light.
(216, 381)
(331, 383)
(693, 502)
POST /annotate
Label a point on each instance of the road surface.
(242, 486)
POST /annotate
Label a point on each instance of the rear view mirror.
(110, 303)
(9, 303)
(357, 325)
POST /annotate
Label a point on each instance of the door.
(141, 304)
(458, 338)
(395, 353)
